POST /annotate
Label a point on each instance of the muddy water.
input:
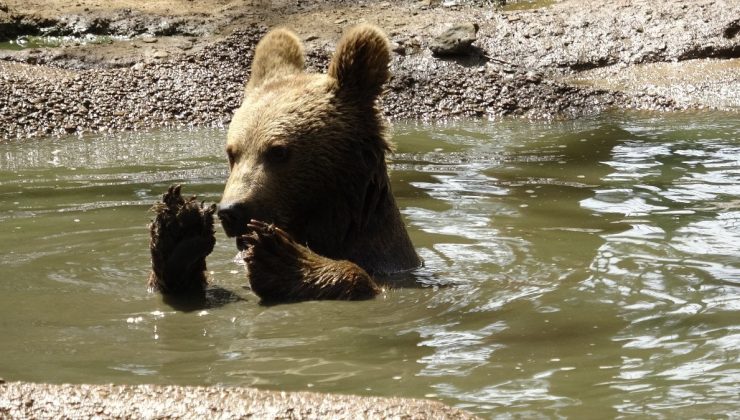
(587, 269)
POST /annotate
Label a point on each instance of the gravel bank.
(27, 400)
(201, 89)
(531, 63)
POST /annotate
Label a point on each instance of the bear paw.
(280, 269)
(181, 237)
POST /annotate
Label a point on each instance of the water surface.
(594, 269)
(30, 42)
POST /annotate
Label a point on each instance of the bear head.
(307, 151)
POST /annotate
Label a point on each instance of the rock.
(455, 41)
(160, 54)
(149, 39)
(533, 77)
(731, 29)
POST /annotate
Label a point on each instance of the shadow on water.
(214, 297)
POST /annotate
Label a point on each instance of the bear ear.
(360, 64)
(279, 53)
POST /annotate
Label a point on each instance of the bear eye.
(231, 155)
(277, 153)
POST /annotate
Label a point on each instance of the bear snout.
(234, 218)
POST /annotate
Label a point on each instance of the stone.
(457, 40)
(533, 77)
(731, 29)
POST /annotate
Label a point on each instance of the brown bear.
(308, 196)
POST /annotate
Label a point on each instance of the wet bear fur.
(308, 196)
(181, 236)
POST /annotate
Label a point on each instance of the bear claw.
(280, 269)
(182, 236)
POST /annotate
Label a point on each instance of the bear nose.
(233, 218)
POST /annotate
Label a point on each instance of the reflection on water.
(29, 42)
(582, 269)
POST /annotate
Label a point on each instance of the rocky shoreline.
(540, 63)
(28, 400)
